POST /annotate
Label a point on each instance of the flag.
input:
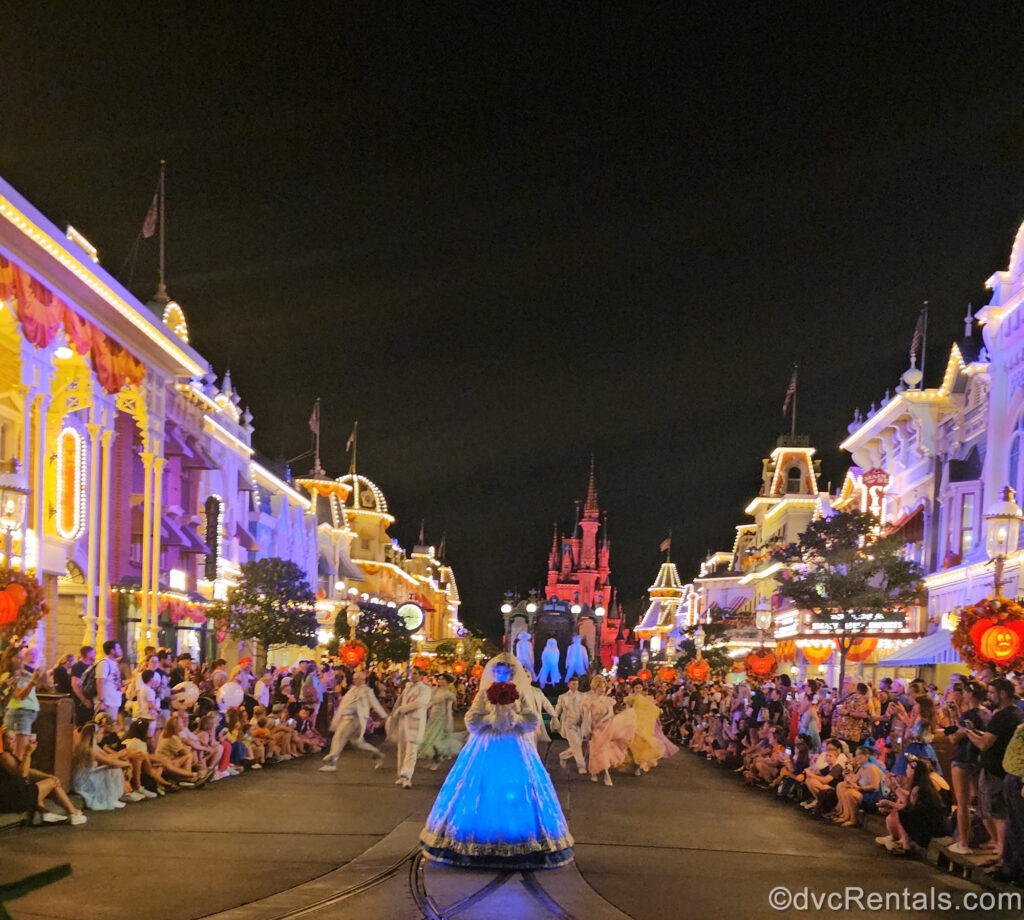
(314, 419)
(790, 391)
(149, 224)
(351, 438)
(666, 545)
(919, 332)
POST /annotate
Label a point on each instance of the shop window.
(794, 480)
(966, 523)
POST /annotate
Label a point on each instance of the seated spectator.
(175, 757)
(918, 814)
(822, 783)
(96, 775)
(794, 771)
(23, 789)
(860, 789)
(147, 775)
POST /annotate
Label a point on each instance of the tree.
(714, 651)
(851, 577)
(382, 629)
(446, 648)
(272, 603)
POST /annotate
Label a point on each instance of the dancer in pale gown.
(497, 808)
(644, 750)
(439, 739)
(610, 733)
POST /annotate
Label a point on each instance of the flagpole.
(352, 466)
(162, 285)
(317, 433)
(796, 381)
(924, 339)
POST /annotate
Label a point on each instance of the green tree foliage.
(446, 648)
(850, 577)
(383, 631)
(272, 603)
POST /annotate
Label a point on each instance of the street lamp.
(13, 498)
(1003, 519)
(763, 615)
(352, 614)
(506, 607)
(698, 639)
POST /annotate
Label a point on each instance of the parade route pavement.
(287, 842)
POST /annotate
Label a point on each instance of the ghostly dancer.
(524, 652)
(439, 739)
(549, 673)
(568, 722)
(576, 658)
(349, 722)
(407, 723)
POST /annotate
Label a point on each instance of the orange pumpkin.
(421, 662)
(477, 671)
(459, 667)
(352, 653)
(667, 675)
(1000, 643)
(698, 670)
(760, 663)
(644, 674)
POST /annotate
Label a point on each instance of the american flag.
(149, 224)
(790, 392)
(919, 332)
(314, 419)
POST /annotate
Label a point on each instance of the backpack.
(1013, 759)
(89, 688)
(310, 691)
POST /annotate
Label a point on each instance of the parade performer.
(645, 750)
(538, 702)
(524, 652)
(568, 721)
(659, 733)
(349, 722)
(497, 808)
(576, 658)
(439, 741)
(610, 733)
(407, 723)
(549, 673)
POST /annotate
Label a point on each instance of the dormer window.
(794, 480)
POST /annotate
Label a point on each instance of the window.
(794, 480)
(4, 437)
(1015, 451)
(135, 550)
(966, 523)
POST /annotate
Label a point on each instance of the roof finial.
(590, 509)
(969, 322)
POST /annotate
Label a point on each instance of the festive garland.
(29, 607)
(502, 693)
(991, 633)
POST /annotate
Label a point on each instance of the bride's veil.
(519, 677)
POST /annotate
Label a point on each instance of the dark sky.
(508, 237)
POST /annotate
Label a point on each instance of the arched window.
(794, 480)
(1015, 452)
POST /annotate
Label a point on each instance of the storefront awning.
(170, 534)
(348, 570)
(246, 540)
(933, 649)
(200, 459)
(193, 544)
(910, 527)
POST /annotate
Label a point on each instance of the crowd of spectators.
(933, 763)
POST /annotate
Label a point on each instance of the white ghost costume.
(549, 673)
(524, 653)
(576, 658)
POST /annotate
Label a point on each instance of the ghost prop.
(576, 659)
(524, 652)
(549, 665)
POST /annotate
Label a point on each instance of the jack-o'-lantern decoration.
(991, 633)
(644, 674)
(353, 653)
(11, 600)
(421, 662)
(459, 667)
(698, 670)
(667, 675)
(478, 671)
(761, 664)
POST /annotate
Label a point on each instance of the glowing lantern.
(760, 664)
(11, 600)
(1001, 643)
(477, 671)
(667, 675)
(698, 670)
(644, 674)
(421, 662)
(352, 653)
(459, 667)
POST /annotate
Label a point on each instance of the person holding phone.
(966, 711)
(23, 704)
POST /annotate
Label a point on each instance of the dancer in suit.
(406, 724)
(349, 722)
(568, 722)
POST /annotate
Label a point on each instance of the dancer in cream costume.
(568, 722)
(349, 722)
(406, 725)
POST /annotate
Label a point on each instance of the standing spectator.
(22, 704)
(1013, 791)
(83, 706)
(61, 676)
(992, 742)
(145, 701)
(966, 710)
(263, 689)
(182, 671)
(108, 679)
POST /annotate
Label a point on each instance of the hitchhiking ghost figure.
(576, 658)
(524, 652)
(549, 665)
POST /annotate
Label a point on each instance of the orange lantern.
(421, 662)
(477, 671)
(1000, 643)
(861, 649)
(17, 593)
(760, 664)
(817, 654)
(698, 670)
(11, 599)
(667, 675)
(352, 653)
(644, 674)
(459, 667)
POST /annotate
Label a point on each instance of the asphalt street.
(683, 841)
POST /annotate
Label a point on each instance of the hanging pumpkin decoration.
(478, 671)
(991, 632)
(861, 649)
(353, 653)
(698, 670)
(761, 664)
(643, 674)
(667, 675)
(459, 667)
(817, 654)
(421, 662)
(21, 605)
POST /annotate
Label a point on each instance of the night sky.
(508, 237)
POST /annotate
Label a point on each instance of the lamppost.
(698, 640)
(1003, 520)
(13, 498)
(352, 614)
(763, 617)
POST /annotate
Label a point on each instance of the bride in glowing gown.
(497, 808)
